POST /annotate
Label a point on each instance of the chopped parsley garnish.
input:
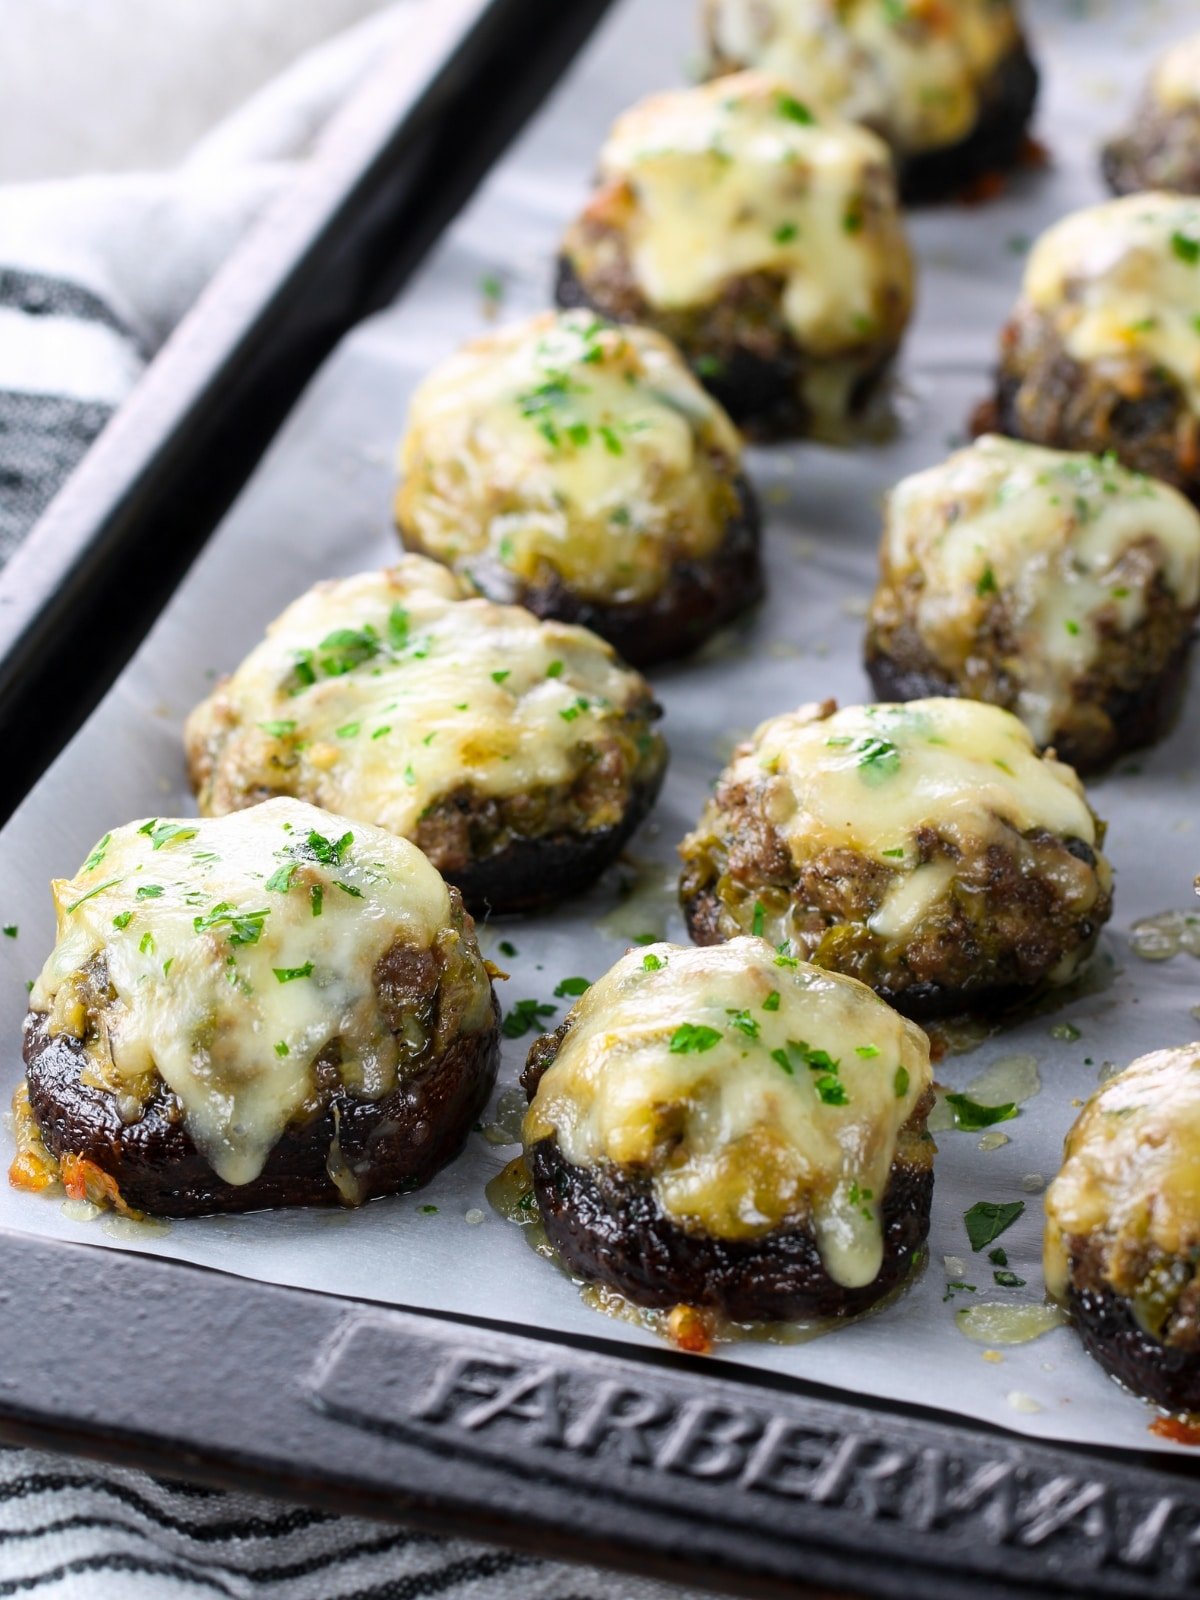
(612, 442)
(794, 110)
(382, 733)
(281, 1049)
(428, 1211)
(278, 730)
(572, 986)
(987, 583)
(759, 922)
(525, 1017)
(162, 833)
(708, 366)
(10, 930)
(289, 974)
(99, 889)
(349, 730)
(122, 919)
(347, 648)
(771, 1003)
(554, 670)
(410, 776)
(785, 233)
(1186, 247)
(499, 677)
(693, 1038)
(970, 1116)
(146, 943)
(867, 1051)
(987, 1220)
(1008, 1280)
(245, 927)
(743, 1022)
(896, 854)
(998, 1257)
(150, 891)
(1072, 627)
(782, 959)
(328, 851)
(901, 1082)
(97, 855)
(653, 963)
(316, 899)
(280, 880)
(507, 948)
(347, 888)
(957, 1286)
(1065, 1030)
(576, 709)
(877, 758)
(830, 1089)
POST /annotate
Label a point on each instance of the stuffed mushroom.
(769, 246)
(579, 469)
(926, 849)
(276, 1008)
(519, 755)
(1161, 150)
(950, 87)
(1123, 1227)
(1062, 587)
(733, 1129)
(1102, 352)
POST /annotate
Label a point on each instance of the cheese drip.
(415, 693)
(1121, 282)
(1131, 1167)
(914, 71)
(872, 778)
(730, 179)
(238, 949)
(566, 446)
(1070, 546)
(1175, 84)
(734, 1142)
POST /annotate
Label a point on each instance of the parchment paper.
(319, 505)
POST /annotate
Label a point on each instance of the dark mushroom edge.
(1002, 929)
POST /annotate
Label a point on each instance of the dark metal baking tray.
(707, 1474)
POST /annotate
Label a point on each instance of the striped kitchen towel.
(69, 1531)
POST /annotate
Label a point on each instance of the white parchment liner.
(319, 505)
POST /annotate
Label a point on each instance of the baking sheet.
(319, 506)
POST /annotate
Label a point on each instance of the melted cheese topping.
(238, 949)
(1121, 282)
(727, 181)
(913, 70)
(1175, 85)
(415, 693)
(754, 1090)
(567, 447)
(1131, 1168)
(1058, 540)
(871, 778)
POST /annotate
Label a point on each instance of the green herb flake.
(99, 889)
(771, 1003)
(499, 677)
(316, 899)
(970, 1116)
(1065, 1030)
(280, 880)
(693, 1038)
(554, 670)
(785, 233)
(329, 852)
(988, 1219)
(290, 974)
(122, 919)
(794, 110)
(97, 855)
(347, 888)
(987, 583)
(867, 1051)
(10, 930)
(760, 918)
(150, 891)
(653, 963)
(278, 730)
(281, 1048)
(244, 927)
(572, 986)
(743, 1022)
(957, 1286)
(508, 948)
(161, 833)
(1072, 627)
(525, 1017)
(1008, 1280)
(900, 1082)
(998, 1257)
(878, 759)
(576, 709)
(427, 1211)
(780, 1057)
(1186, 247)
(349, 730)
(146, 944)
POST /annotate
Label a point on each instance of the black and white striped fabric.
(70, 1532)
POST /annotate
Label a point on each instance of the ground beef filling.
(1002, 928)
